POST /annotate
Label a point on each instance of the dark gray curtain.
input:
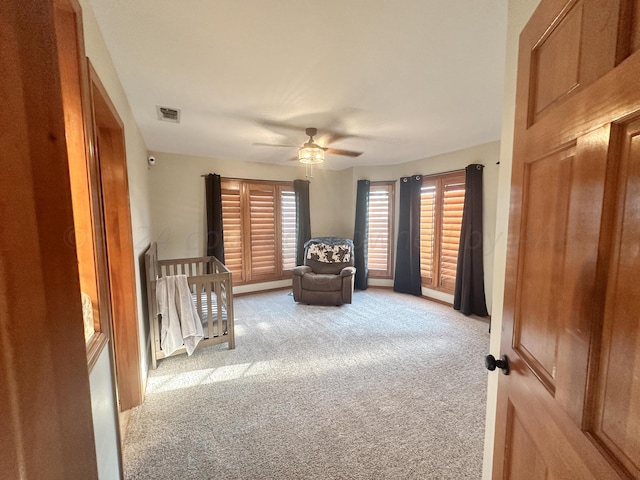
(215, 242)
(361, 235)
(303, 219)
(469, 295)
(407, 277)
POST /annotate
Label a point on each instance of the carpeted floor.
(390, 387)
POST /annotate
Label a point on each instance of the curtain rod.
(453, 171)
(444, 173)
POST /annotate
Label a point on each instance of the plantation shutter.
(259, 221)
(428, 208)
(441, 205)
(262, 217)
(288, 224)
(232, 228)
(379, 229)
(453, 188)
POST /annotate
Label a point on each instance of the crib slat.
(198, 293)
(230, 319)
(219, 308)
(209, 309)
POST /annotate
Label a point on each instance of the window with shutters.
(441, 204)
(259, 228)
(380, 229)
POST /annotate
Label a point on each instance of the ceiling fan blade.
(328, 135)
(347, 153)
(274, 145)
(331, 137)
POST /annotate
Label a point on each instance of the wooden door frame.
(108, 147)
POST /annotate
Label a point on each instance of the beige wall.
(178, 207)
(519, 13)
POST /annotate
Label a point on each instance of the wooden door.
(570, 407)
(46, 426)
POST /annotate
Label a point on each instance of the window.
(441, 204)
(259, 227)
(288, 225)
(380, 228)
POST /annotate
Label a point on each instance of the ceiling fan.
(311, 152)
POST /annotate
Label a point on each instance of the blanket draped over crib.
(197, 299)
(181, 324)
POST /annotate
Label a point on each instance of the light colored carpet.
(390, 387)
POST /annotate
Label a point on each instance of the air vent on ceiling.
(167, 114)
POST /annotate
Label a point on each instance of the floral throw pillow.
(329, 253)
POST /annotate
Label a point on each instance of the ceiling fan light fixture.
(311, 154)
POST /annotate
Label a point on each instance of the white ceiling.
(402, 79)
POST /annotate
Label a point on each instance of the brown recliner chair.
(327, 276)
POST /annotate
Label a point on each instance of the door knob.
(491, 363)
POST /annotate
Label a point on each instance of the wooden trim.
(88, 232)
(236, 295)
(439, 289)
(111, 158)
(95, 346)
(436, 300)
(444, 175)
(380, 276)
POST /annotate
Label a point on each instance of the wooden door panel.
(630, 37)
(617, 416)
(557, 305)
(554, 78)
(568, 57)
(546, 194)
(563, 449)
(634, 27)
(525, 460)
(598, 51)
